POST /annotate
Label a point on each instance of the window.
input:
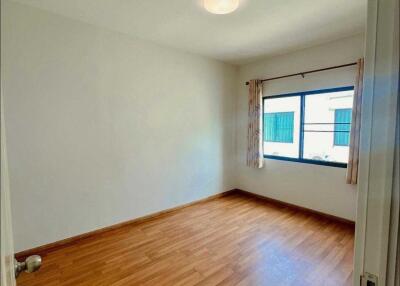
(311, 127)
(342, 127)
(279, 127)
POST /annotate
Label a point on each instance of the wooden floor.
(232, 240)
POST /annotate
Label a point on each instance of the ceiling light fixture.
(221, 6)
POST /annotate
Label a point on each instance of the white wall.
(103, 128)
(317, 187)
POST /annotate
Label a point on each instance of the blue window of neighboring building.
(342, 127)
(278, 127)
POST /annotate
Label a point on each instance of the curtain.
(352, 166)
(255, 156)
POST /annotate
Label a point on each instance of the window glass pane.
(282, 126)
(321, 113)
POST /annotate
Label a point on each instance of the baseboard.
(295, 207)
(44, 249)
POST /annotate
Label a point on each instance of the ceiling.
(258, 28)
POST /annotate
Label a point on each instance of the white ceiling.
(258, 28)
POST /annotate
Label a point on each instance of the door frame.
(377, 145)
(6, 240)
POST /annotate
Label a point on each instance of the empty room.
(200, 142)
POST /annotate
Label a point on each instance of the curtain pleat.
(352, 166)
(255, 158)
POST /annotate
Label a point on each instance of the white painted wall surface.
(320, 188)
(103, 128)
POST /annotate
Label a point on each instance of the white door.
(7, 246)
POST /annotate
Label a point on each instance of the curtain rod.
(306, 72)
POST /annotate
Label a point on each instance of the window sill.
(307, 161)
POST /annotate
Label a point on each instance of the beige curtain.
(255, 154)
(352, 166)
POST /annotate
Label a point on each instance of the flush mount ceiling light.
(221, 6)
